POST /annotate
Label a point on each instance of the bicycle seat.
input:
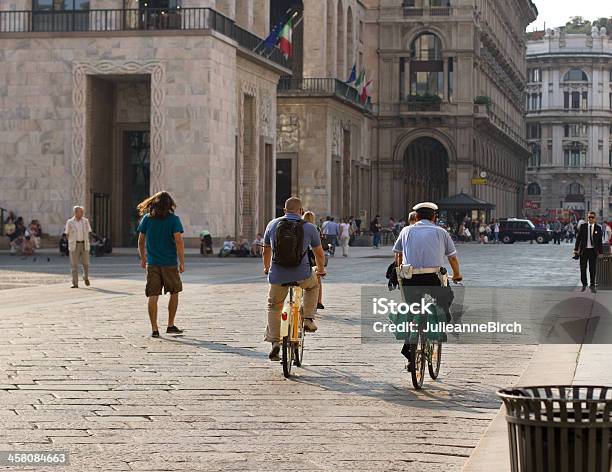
(290, 284)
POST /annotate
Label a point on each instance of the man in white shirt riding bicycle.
(420, 252)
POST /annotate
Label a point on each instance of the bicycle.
(292, 329)
(425, 350)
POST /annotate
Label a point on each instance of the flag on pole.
(353, 75)
(272, 39)
(363, 96)
(285, 43)
(360, 80)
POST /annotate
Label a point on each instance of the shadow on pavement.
(217, 347)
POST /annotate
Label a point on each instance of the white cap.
(425, 205)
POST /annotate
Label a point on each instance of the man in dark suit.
(588, 246)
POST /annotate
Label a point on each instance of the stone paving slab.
(78, 372)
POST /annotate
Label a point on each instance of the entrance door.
(136, 182)
(283, 184)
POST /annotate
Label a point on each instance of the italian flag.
(285, 43)
(360, 80)
(364, 92)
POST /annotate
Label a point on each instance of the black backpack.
(288, 248)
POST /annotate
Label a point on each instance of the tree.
(605, 22)
(578, 25)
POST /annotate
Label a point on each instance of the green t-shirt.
(159, 237)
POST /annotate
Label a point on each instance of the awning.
(464, 201)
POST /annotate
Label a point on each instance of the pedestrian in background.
(345, 236)
(375, 227)
(588, 246)
(330, 231)
(160, 242)
(309, 217)
(557, 232)
(496, 231)
(78, 230)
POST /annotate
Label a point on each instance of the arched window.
(533, 189)
(426, 47)
(426, 66)
(575, 75)
(575, 189)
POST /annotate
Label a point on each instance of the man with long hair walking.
(159, 243)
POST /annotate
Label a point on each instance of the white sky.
(558, 12)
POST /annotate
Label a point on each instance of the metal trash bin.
(559, 428)
(604, 270)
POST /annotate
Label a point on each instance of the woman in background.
(309, 217)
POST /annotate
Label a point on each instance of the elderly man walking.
(77, 231)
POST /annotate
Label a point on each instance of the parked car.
(513, 229)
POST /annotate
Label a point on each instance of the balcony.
(427, 11)
(144, 19)
(323, 87)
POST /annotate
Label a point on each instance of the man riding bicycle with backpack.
(285, 259)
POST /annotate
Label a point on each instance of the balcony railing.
(326, 87)
(143, 19)
(428, 11)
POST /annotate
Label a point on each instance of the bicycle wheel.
(418, 360)
(434, 361)
(287, 357)
(299, 348)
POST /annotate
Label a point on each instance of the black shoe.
(87, 282)
(275, 352)
(174, 330)
(409, 367)
(320, 306)
(155, 334)
(74, 286)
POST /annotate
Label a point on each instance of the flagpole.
(273, 28)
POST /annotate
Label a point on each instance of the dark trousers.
(417, 287)
(557, 237)
(590, 256)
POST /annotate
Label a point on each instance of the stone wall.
(44, 141)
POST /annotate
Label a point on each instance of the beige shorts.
(159, 277)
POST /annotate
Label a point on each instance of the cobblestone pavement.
(79, 373)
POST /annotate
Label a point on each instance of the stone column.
(244, 14)
(261, 17)
(332, 32)
(314, 50)
(445, 79)
(227, 8)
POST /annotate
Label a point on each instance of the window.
(426, 66)
(60, 5)
(575, 75)
(533, 189)
(575, 130)
(534, 75)
(534, 131)
(576, 100)
(535, 158)
(450, 79)
(534, 101)
(361, 30)
(60, 15)
(574, 157)
(575, 189)
(584, 104)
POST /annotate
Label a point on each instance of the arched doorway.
(425, 166)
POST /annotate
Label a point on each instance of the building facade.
(324, 151)
(450, 80)
(569, 124)
(105, 101)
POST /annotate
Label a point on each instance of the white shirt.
(344, 231)
(590, 236)
(80, 229)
